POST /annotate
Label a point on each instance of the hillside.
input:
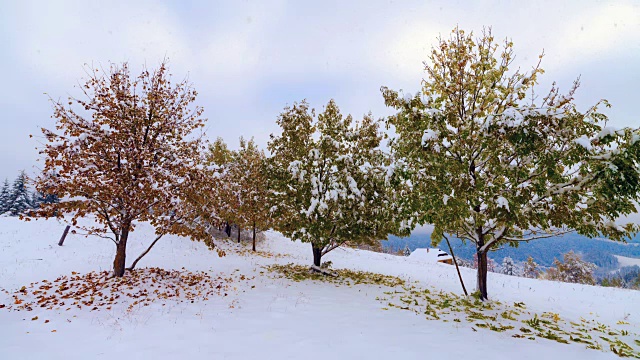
(544, 251)
(260, 313)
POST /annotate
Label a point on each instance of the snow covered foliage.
(5, 195)
(494, 166)
(329, 179)
(464, 263)
(126, 152)
(573, 270)
(242, 188)
(20, 198)
(530, 269)
(509, 267)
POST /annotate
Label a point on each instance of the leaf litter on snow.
(139, 287)
(514, 320)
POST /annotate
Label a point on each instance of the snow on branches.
(493, 165)
(328, 176)
(127, 151)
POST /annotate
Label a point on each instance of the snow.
(429, 255)
(514, 116)
(503, 203)
(270, 317)
(584, 141)
(607, 130)
(428, 135)
(627, 261)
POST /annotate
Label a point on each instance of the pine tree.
(20, 200)
(508, 266)
(36, 199)
(5, 196)
(531, 269)
(495, 166)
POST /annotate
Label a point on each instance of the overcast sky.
(248, 59)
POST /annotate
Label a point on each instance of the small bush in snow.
(572, 270)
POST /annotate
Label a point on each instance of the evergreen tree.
(36, 199)
(20, 200)
(508, 267)
(50, 199)
(5, 197)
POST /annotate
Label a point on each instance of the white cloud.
(604, 30)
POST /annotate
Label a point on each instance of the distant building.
(431, 255)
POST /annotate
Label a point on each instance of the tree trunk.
(482, 265)
(317, 255)
(254, 236)
(227, 229)
(239, 230)
(121, 251)
(482, 275)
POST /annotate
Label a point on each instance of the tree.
(251, 173)
(493, 167)
(243, 192)
(573, 270)
(20, 200)
(36, 199)
(508, 267)
(5, 196)
(530, 269)
(219, 160)
(328, 179)
(127, 152)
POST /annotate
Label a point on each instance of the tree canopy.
(328, 177)
(128, 151)
(492, 162)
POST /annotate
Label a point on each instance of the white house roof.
(429, 255)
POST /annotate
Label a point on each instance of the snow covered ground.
(627, 261)
(264, 316)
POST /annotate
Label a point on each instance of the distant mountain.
(543, 251)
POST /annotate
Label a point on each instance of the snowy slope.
(627, 261)
(270, 317)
